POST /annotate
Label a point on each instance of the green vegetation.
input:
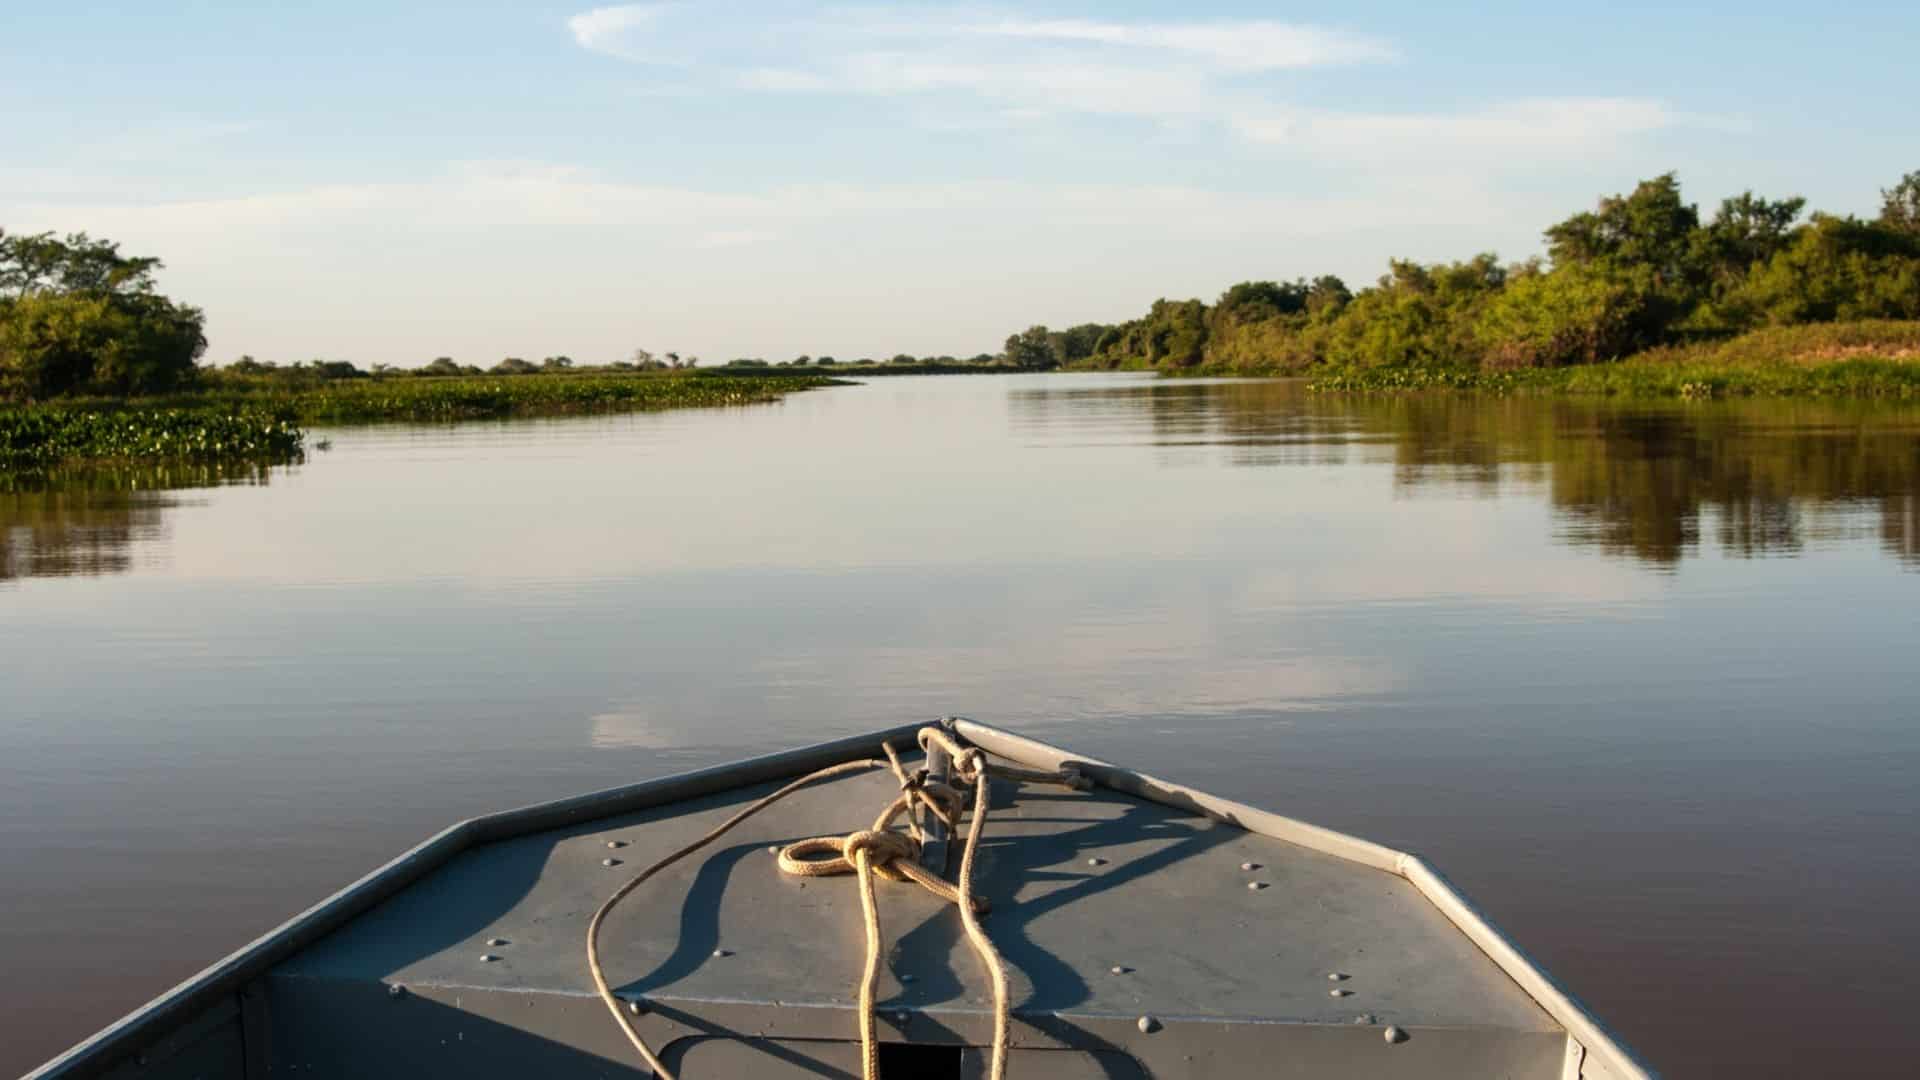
(442, 400)
(1869, 358)
(239, 418)
(1693, 302)
(43, 435)
(78, 317)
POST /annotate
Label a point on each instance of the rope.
(600, 916)
(876, 851)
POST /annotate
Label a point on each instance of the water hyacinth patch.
(265, 425)
(43, 435)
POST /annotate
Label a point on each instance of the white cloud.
(506, 193)
(1540, 125)
(783, 80)
(998, 68)
(1154, 69)
(617, 31)
(1244, 45)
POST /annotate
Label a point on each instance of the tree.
(556, 363)
(1900, 205)
(1651, 227)
(61, 343)
(1575, 314)
(76, 316)
(78, 264)
(1327, 296)
(1032, 349)
(513, 365)
(442, 365)
(1747, 229)
(803, 360)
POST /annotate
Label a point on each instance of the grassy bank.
(1864, 359)
(266, 422)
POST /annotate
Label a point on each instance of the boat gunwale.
(1590, 1044)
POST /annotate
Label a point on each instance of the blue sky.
(389, 182)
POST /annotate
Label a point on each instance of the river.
(1640, 679)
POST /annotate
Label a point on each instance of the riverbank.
(1866, 359)
(268, 422)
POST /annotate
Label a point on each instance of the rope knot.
(881, 847)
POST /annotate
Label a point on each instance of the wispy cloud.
(1102, 67)
(999, 67)
(619, 31)
(511, 193)
(1541, 125)
(1241, 45)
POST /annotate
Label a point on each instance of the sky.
(389, 182)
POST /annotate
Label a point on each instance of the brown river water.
(1640, 679)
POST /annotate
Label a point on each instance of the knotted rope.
(869, 852)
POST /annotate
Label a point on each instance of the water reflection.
(1761, 478)
(89, 521)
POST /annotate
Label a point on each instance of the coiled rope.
(881, 851)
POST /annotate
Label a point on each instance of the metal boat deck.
(1149, 931)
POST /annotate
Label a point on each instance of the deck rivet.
(1365, 1018)
(723, 953)
(1120, 969)
(141, 1061)
(1249, 866)
(1339, 991)
(396, 991)
(616, 843)
(903, 1016)
(1394, 1035)
(1096, 861)
(609, 862)
(637, 1007)
(1148, 1025)
(487, 958)
(496, 941)
(773, 849)
(1338, 976)
(907, 976)
(1256, 886)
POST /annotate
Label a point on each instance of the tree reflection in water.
(87, 521)
(1637, 479)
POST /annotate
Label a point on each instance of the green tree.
(1836, 268)
(1748, 229)
(1032, 349)
(1575, 314)
(63, 343)
(1650, 227)
(77, 316)
(1900, 205)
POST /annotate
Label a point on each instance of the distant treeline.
(1640, 271)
